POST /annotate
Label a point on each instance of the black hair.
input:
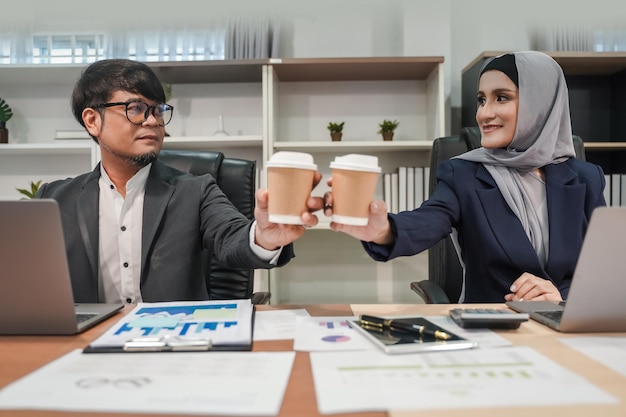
(100, 80)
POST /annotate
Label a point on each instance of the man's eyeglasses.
(138, 112)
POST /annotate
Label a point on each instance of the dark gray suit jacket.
(183, 214)
(494, 245)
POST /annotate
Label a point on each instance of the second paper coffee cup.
(354, 184)
(289, 183)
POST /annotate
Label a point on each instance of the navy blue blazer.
(183, 214)
(495, 248)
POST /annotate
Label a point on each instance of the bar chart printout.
(222, 322)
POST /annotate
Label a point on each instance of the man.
(135, 229)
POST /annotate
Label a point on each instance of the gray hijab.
(543, 136)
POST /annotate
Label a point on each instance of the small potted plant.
(336, 130)
(5, 114)
(387, 128)
(34, 187)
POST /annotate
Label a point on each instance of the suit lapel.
(505, 226)
(87, 204)
(157, 196)
(563, 192)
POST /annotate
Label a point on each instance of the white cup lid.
(356, 162)
(284, 159)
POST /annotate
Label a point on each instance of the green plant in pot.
(5, 114)
(387, 127)
(336, 130)
(30, 193)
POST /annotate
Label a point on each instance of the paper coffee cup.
(354, 184)
(289, 184)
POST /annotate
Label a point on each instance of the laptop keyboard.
(552, 315)
(81, 317)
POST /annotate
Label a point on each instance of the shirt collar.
(137, 182)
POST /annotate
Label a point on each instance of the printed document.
(276, 324)
(220, 322)
(207, 383)
(360, 381)
(328, 333)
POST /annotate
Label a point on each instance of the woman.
(519, 206)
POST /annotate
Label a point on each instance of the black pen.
(381, 323)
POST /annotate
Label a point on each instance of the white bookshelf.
(22, 163)
(212, 142)
(303, 96)
(370, 146)
(267, 106)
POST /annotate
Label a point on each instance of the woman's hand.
(378, 229)
(529, 287)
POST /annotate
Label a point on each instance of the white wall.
(501, 25)
(428, 31)
(457, 29)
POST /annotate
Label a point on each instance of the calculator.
(491, 318)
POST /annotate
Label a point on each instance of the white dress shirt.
(120, 237)
(120, 228)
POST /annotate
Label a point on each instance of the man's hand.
(529, 287)
(272, 236)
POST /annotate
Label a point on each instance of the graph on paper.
(334, 324)
(326, 333)
(369, 381)
(221, 322)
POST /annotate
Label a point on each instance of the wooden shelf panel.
(355, 69)
(189, 72)
(40, 74)
(245, 71)
(86, 147)
(575, 63)
(211, 142)
(197, 72)
(81, 148)
(360, 146)
(605, 146)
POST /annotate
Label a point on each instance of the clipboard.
(395, 342)
(196, 326)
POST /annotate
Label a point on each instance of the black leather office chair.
(445, 274)
(236, 178)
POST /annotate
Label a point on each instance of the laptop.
(597, 297)
(35, 288)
